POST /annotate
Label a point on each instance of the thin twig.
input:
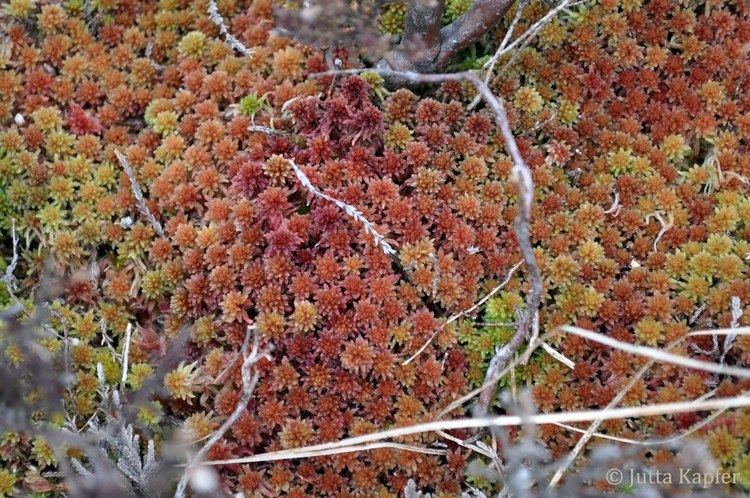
(499, 421)
(338, 451)
(615, 208)
(527, 35)
(138, 193)
(665, 224)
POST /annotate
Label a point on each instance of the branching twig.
(526, 37)
(615, 208)
(138, 193)
(490, 65)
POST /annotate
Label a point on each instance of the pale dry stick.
(533, 346)
(662, 441)
(138, 193)
(738, 331)
(248, 386)
(557, 355)
(213, 13)
(350, 210)
(615, 208)
(125, 353)
(465, 312)
(568, 461)
(498, 421)
(660, 355)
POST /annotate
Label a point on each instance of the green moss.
(251, 104)
(392, 18)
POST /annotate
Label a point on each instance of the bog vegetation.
(206, 240)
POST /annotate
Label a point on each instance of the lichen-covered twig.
(8, 278)
(213, 13)
(138, 193)
(350, 210)
(248, 386)
(267, 130)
